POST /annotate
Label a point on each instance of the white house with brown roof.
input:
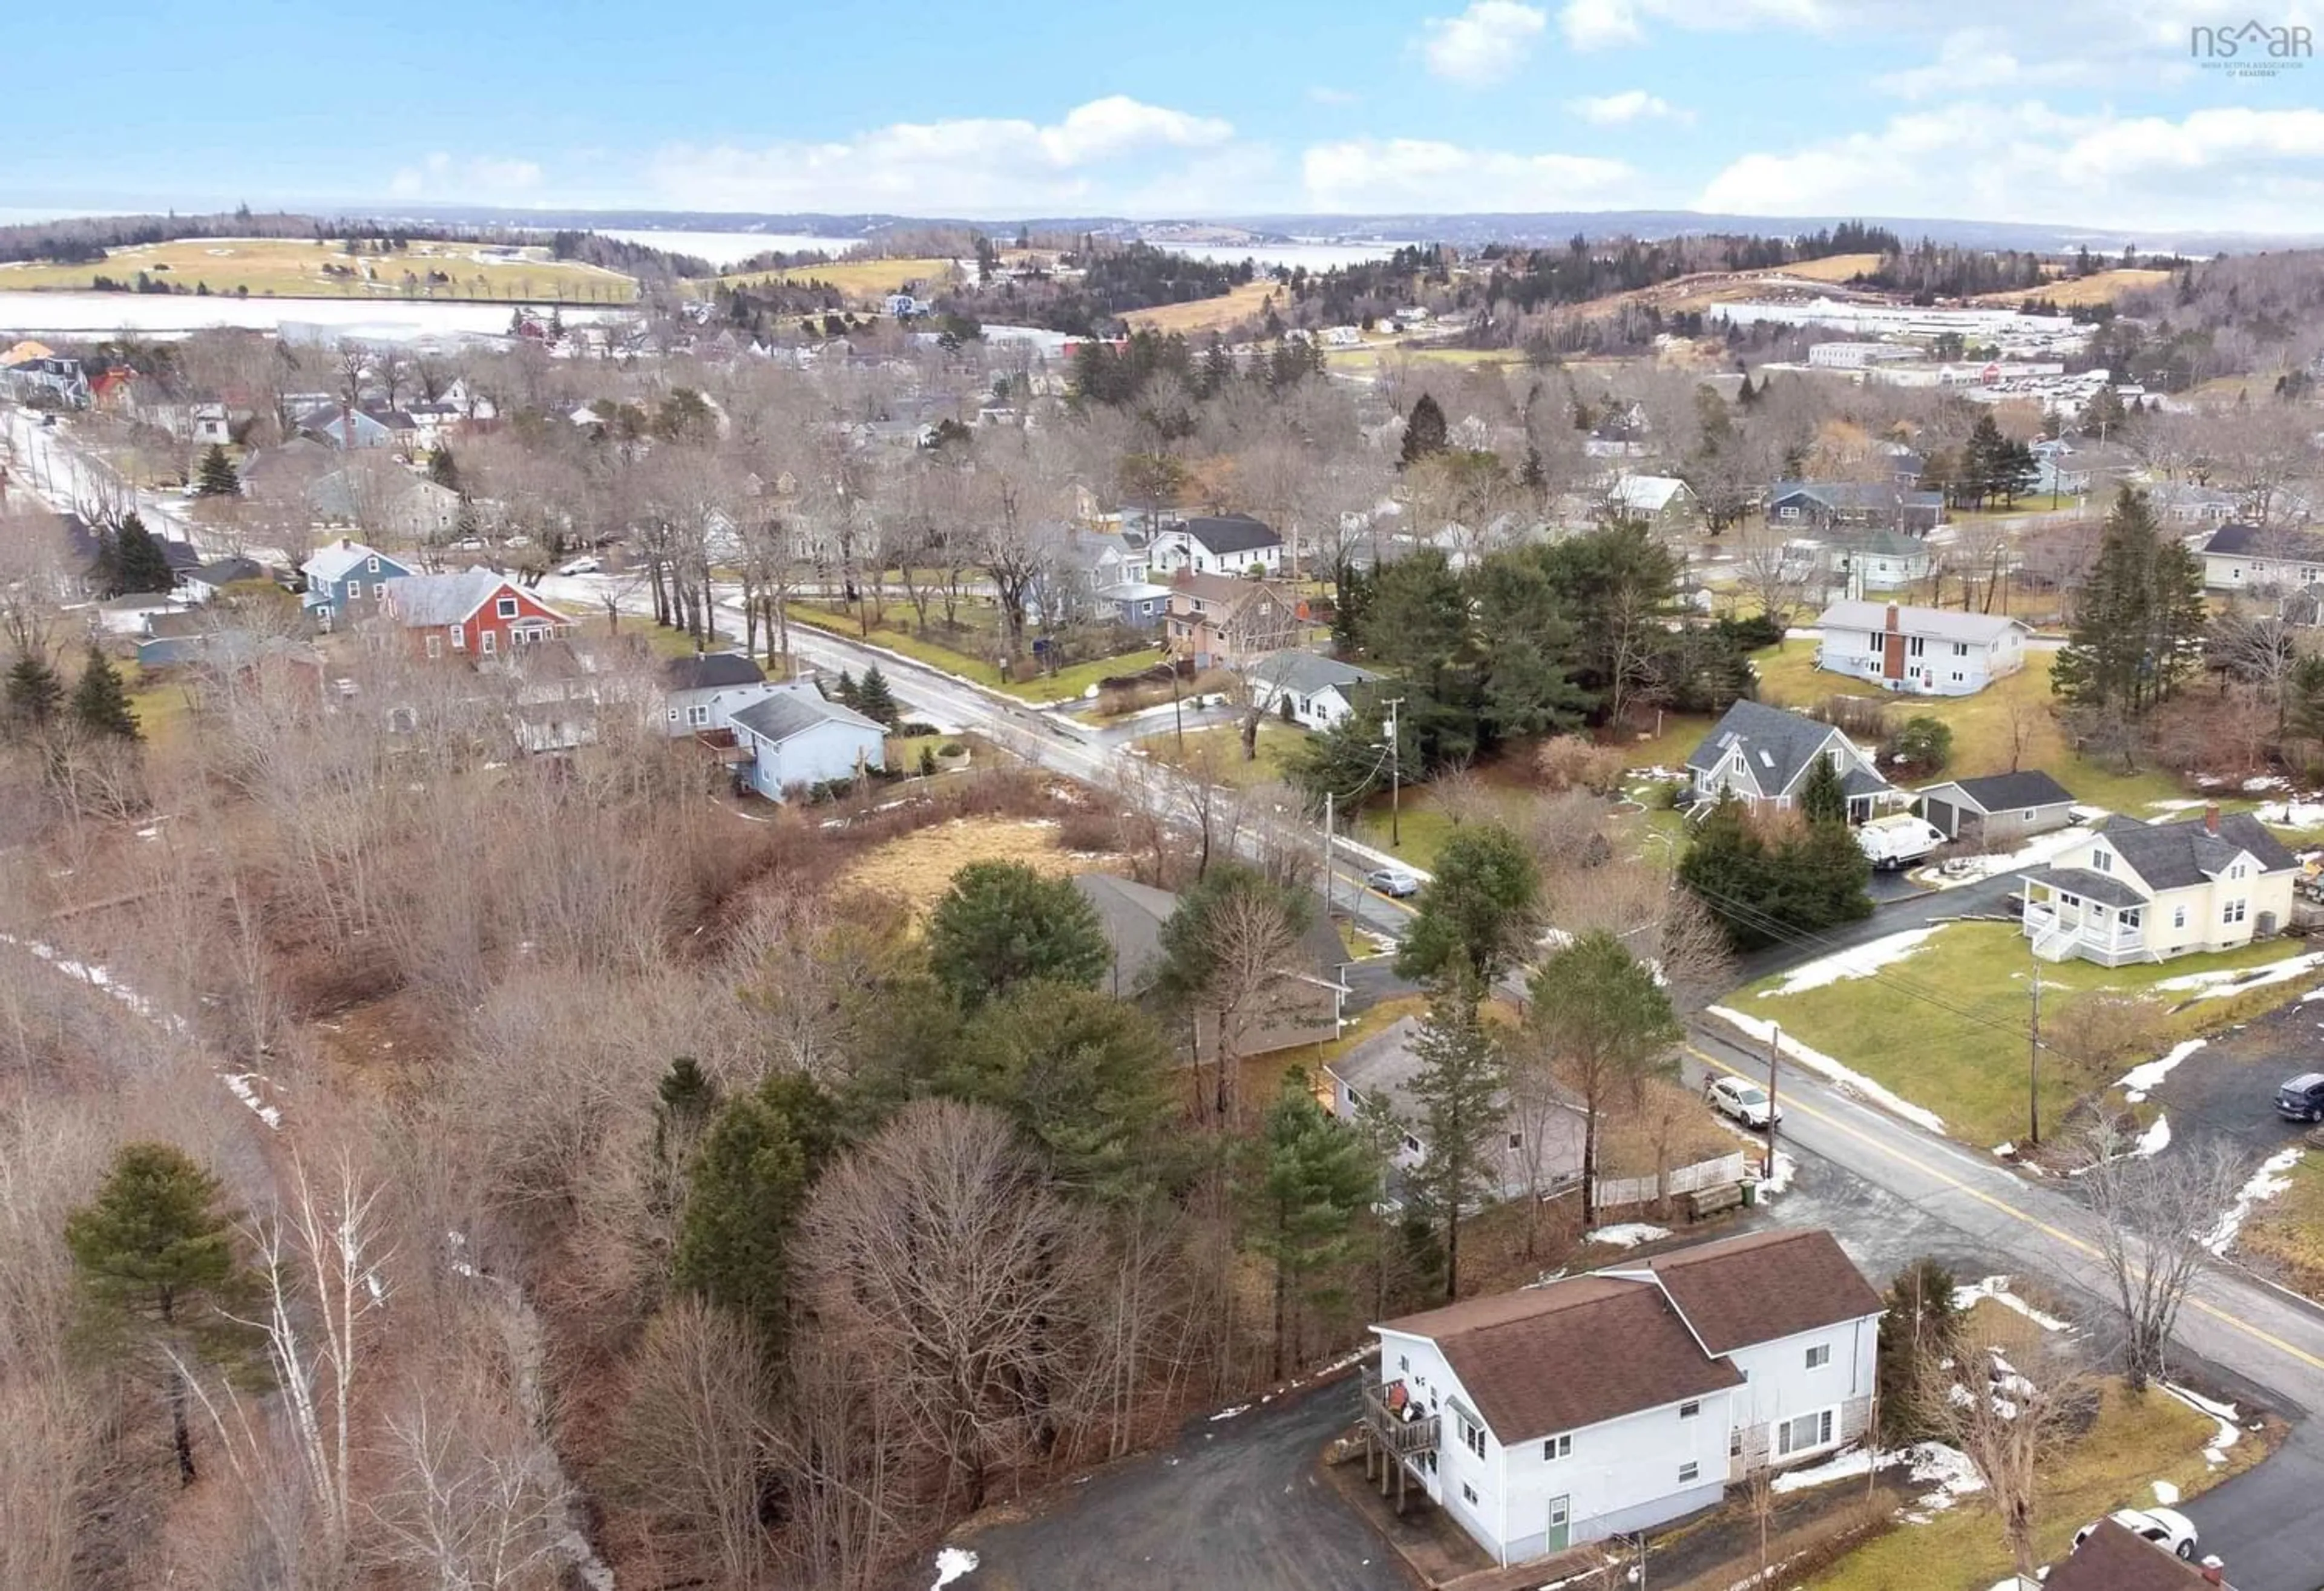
(1618, 1401)
(1920, 651)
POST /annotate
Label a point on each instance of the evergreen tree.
(1459, 1089)
(1823, 799)
(443, 468)
(154, 1251)
(1918, 1333)
(216, 476)
(845, 690)
(35, 694)
(1606, 1024)
(2139, 616)
(873, 698)
(100, 703)
(138, 563)
(1766, 893)
(1001, 925)
(1476, 914)
(684, 1102)
(1313, 1183)
(750, 1182)
(1425, 434)
(1085, 1076)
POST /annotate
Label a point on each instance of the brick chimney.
(2211, 818)
(1892, 619)
(2213, 1574)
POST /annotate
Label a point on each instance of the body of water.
(1315, 256)
(724, 249)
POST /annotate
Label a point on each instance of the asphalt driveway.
(2228, 1086)
(1235, 1505)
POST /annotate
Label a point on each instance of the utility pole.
(1775, 1071)
(1395, 778)
(1177, 709)
(2034, 1062)
(1327, 853)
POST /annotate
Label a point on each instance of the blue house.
(798, 737)
(344, 581)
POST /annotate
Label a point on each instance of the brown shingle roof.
(1536, 1362)
(2111, 1559)
(1762, 1286)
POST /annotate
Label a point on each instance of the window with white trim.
(1689, 1408)
(1556, 1448)
(1411, 1143)
(1517, 1141)
(2102, 861)
(698, 715)
(2232, 913)
(505, 607)
(2178, 916)
(1468, 1491)
(2237, 871)
(436, 650)
(1820, 1355)
(1472, 1435)
(1797, 1436)
(459, 643)
(487, 642)
(1689, 1472)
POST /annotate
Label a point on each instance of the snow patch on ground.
(1229, 1411)
(2147, 1076)
(1997, 1288)
(2165, 1493)
(2228, 1432)
(1847, 1467)
(1779, 1176)
(2292, 814)
(1628, 1234)
(2228, 981)
(952, 1564)
(2168, 809)
(2265, 1182)
(1948, 1470)
(2155, 1140)
(1969, 869)
(1862, 962)
(1816, 1061)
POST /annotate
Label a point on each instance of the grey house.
(798, 737)
(705, 691)
(1134, 605)
(1304, 1007)
(1306, 689)
(1860, 505)
(1998, 807)
(1761, 755)
(1382, 1069)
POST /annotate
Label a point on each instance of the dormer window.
(2102, 861)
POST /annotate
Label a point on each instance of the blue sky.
(2076, 111)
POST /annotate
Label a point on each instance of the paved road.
(1235, 1505)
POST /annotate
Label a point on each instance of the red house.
(474, 613)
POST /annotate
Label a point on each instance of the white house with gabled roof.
(1920, 651)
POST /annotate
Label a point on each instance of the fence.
(1616, 1192)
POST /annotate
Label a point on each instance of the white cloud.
(1324, 94)
(1367, 174)
(472, 178)
(1598, 24)
(963, 167)
(1485, 43)
(2225, 168)
(1632, 105)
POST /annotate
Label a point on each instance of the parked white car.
(1742, 1101)
(580, 567)
(2166, 1528)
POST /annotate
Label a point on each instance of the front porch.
(2063, 924)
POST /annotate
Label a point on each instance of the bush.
(1751, 635)
(1569, 762)
(913, 729)
(927, 761)
(952, 749)
(1860, 718)
(1921, 748)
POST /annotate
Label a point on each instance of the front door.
(1561, 1519)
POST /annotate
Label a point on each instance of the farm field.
(1247, 302)
(292, 268)
(862, 280)
(2102, 287)
(1832, 268)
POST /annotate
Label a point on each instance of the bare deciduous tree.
(693, 1439)
(2153, 1212)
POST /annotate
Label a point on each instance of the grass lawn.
(1069, 682)
(1220, 746)
(863, 280)
(1788, 677)
(292, 268)
(1425, 829)
(2132, 1443)
(1966, 1058)
(163, 705)
(2289, 1229)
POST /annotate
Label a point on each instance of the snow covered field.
(386, 320)
(724, 249)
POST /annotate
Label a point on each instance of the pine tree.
(1823, 799)
(873, 699)
(747, 1187)
(2139, 616)
(443, 468)
(1425, 433)
(155, 1254)
(217, 477)
(1459, 1089)
(1605, 1024)
(845, 689)
(35, 694)
(1314, 1181)
(100, 703)
(1001, 925)
(138, 563)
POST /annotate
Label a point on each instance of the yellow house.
(2145, 892)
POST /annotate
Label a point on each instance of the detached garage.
(797, 738)
(1999, 808)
